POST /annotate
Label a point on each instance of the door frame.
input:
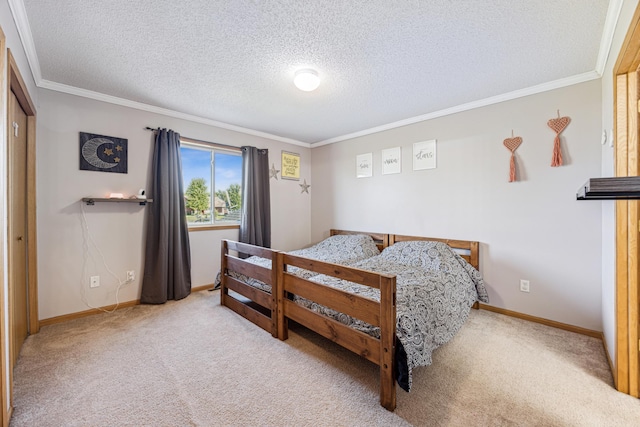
(626, 92)
(17, 85)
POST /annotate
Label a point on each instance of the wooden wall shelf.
(90, 201)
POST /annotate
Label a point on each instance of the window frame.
(212, 148)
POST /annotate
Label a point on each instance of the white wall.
(608, 208)
(119, 229)
(532, 229)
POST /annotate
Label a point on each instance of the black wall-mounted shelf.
(614, 188)
(90, 201)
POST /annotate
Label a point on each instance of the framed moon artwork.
(103, 153)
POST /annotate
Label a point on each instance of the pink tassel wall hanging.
(512, 143)
(557, 125)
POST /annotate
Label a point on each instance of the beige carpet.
(195, 363)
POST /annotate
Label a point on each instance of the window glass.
(228, 182)
(203, 169)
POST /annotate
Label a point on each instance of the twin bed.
(391, 299)
(253, 278)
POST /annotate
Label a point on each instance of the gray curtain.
(167, 264)
(255, 222)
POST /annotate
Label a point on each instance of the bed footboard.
(256, 305)
(377, 313)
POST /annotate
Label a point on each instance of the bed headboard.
(467, 249)
(382, 240)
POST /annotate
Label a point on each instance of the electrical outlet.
(524, 285)
(94, 281)
(131, 276)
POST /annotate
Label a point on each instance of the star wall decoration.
(273, 172)
(305, 187)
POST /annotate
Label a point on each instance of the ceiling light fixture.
(306, 80)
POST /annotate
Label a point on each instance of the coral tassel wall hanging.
(512, 144)
(557, 125)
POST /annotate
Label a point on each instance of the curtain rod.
(213, 144)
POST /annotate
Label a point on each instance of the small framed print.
(424, 155)
(364, 165)
(391, 161)
(290, 168)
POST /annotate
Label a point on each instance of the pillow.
(420, 253)
(341, 249)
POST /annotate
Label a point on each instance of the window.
(203, 168)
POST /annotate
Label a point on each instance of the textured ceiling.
(380, 61)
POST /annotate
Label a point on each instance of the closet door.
(17, 243)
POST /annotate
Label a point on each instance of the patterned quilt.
(344, 249)
(435, 289)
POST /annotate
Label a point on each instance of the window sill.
(214, 227)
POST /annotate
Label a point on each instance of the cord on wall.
(87, 241)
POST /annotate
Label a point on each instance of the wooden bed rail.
(260, 302)
(377, 313)
(248, 249)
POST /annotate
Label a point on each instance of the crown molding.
(556, 84)
(24, 31)
(72, 90)
(610, 23)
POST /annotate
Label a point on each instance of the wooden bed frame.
(257, 306)
(381, 314)
(271, 311)
(254, 304)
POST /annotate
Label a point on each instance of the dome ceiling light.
(306, 80)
